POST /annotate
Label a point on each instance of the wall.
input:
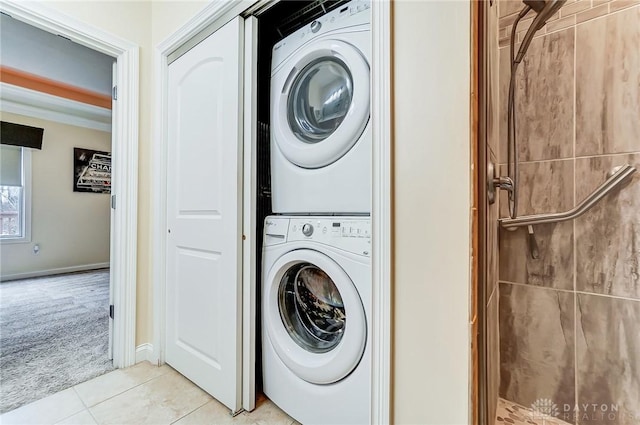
(72, 228)
(432, 201)
(569, 320)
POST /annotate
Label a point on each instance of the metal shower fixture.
(544, 9)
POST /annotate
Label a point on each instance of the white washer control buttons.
(315, 26)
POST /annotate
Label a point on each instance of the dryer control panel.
(353, 14)
(351, 234)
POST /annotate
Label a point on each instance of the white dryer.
(320, 108)
(316, 304)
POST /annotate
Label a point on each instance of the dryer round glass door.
(319, 99)
(320, 103)
(314, 316)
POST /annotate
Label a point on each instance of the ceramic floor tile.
(162, 400)
(212, 413)
(267, 413)
(111, 384)
(49, 410)
(82, 418)
(145, 371)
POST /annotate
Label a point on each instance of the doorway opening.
(121, 243)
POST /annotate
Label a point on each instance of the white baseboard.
(144, 352)
(50, 272)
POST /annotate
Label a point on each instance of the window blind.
(10, 165)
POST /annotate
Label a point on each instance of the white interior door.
(204, 210)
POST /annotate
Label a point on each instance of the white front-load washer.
(316, 304)
(320, 108)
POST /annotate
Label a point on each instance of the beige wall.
(432, 212)
(71, 228)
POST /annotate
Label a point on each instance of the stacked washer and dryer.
(316, 289)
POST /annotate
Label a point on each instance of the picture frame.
(91, 171)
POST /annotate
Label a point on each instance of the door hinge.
(111, 311)
(113, 202)
(114, 93)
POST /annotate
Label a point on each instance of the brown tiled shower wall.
(572, 13)
(569, 321)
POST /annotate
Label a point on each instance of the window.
(15, 194)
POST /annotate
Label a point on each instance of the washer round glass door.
(320, 103)
(314, 316)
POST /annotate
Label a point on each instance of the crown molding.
(36, 104)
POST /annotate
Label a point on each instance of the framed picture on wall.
(91, 171)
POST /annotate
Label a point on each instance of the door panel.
(204, 189)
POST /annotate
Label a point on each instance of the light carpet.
(54, 334)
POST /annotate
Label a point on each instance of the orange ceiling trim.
(55, 88)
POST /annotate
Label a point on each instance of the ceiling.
(34, 51)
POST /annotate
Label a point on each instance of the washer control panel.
(350, 234)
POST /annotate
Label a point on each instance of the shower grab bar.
(620, 176)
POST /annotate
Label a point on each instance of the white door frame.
(124, 146)
(214, 16)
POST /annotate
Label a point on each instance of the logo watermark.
(545, 409)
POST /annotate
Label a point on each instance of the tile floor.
(509, 413)
(142, 394)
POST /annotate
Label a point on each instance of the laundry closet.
(268, 284)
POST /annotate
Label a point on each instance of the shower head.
(544, 9)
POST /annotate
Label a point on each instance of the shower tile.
(608, 236)
(622, 4)
(493, 83)
(559, 24)
(509, 7)
(537, 345)
(544, 98)
(493, 355)
(503, 92)
(608, 353)
(554, 266)
(575, 7)
(595, 12)
(512, 413)
(607, 78)
(544, 187)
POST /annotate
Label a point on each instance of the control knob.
(307, 229)
(315, 26)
